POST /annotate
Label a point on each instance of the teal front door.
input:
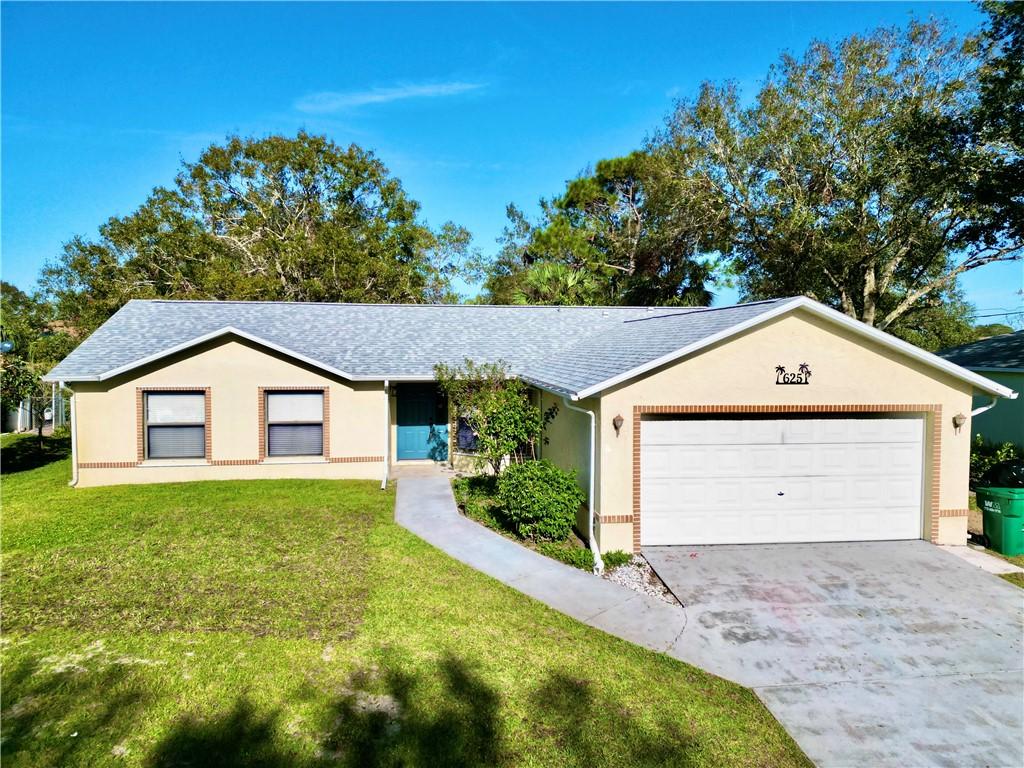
(422, 423)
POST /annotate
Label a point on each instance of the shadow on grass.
(410, 723)
(25, 453)
(238, 737)
(459, 728)
(48, 711)
(581, 723)
(450, 717)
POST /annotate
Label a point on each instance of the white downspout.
(984, 408)
(387, 436)
(74, 439)
(596, 550)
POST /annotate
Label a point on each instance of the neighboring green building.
(1000, 358)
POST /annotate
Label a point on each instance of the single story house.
(1001, 359)
(772, 421)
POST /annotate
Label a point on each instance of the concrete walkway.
(843, 711)
(425, 505)
(978, 557)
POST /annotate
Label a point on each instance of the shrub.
(496, 408)
(615, 558)
(63, 432)
(539, 500)
(985, 455)
(577, 557)
(476, 497)
(474, 487)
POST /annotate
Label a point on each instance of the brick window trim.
(261, 415)
(933, 449)
(140, 426)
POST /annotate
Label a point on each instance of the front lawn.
(291, 623)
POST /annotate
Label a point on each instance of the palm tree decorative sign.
(802, 376)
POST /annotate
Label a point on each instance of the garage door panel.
(854, 485)
(798, 460)
(770, 461)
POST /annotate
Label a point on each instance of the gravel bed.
(638, 575)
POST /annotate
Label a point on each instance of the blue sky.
(472, 106)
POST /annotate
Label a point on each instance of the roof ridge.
(698, 310)
(409, 305)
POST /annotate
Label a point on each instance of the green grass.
(283, 623)
(1017, 579)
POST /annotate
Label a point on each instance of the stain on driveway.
(870, 654)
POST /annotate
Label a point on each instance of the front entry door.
(422, 423)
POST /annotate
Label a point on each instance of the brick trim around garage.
(931, 411)
(140, 427)
(616, 518)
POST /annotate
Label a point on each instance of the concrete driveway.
(870, 654)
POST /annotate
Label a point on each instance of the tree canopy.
(868, 174)
(606, 240)
(278, 218)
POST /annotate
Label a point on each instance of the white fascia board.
(802, 302)
(983, 369)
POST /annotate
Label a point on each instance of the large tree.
(605, 240)
(31, 327)
(999, 120)
(828, 180)
(297, 219)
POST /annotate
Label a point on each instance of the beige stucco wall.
(568, 443)
(846, 369)
(233, 369)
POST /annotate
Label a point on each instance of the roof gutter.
(74, 438)
(591, 541)
(982, 409)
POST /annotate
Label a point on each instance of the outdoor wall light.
(617, 423)
(958, 421)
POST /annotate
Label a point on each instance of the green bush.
(615, 558)
(539, 500)
(476, 497)
(61, 433)
(577, 557)
(985, 455)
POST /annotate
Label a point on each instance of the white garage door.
(752, 481)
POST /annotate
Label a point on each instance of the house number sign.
(801, 376)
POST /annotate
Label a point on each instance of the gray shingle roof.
(565, 349)
(1006, 351)
(636, 342)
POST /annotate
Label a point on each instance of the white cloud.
(334, 101)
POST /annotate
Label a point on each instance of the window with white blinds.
(175, 425)
(295, 424)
